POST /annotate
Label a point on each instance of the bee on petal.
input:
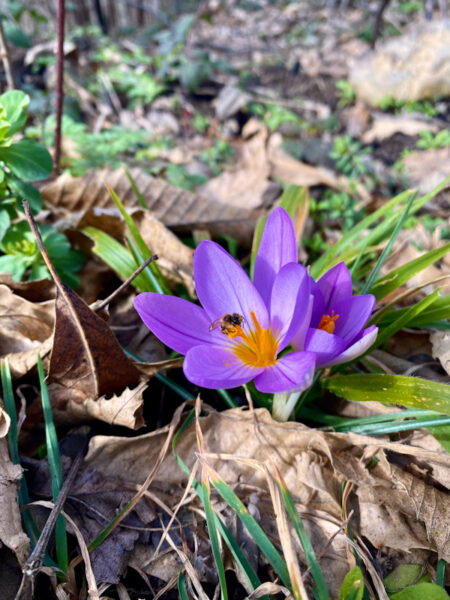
(230, 324)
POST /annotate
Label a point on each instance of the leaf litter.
(395, 505)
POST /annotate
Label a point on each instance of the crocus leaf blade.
(393, 280)
(395, 389)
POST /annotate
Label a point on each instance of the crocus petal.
(298, 341)
(335, 285)
(292, 373)
(277, 248)
(363, 343)
(216, 368)
(318, 308)
(354, 312)
(180, 324)
(326, 346)
(223, 286)
(289, 302)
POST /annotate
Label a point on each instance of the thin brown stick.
(59, 82)
(102, 303)
(40, 243)
(6, 58)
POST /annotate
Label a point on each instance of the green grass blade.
(140, 198)
(118, 258)
(440, 309)
(387, 249)
(10, 407)
(54, 462)
(397, 427)
(394, 389)
(379, 232)
(442, 434)
(139, 241)
(404, 319)
(214, 540)
(233, 546)
(440, 572)
(13, 442)
(393, 280)
(255, 530)
(182, 589)
(316, 572)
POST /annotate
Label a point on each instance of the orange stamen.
(258, 348)
(327, 323)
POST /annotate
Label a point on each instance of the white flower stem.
(283, 405)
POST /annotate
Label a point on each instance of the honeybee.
(228, 323)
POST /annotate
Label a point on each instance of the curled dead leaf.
(11, 533)
(26, 326)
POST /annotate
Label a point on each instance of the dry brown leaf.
(428, 168)
(86, 356)
(71, 197)
(385, 126)
(11, 533)
(248, 184)
(292, 171)
(123, 409)
(314, 464)
(26, 326)
(440, 341)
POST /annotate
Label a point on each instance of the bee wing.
(215, 324)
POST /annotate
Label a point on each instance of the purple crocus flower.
(335, 332)
(241, 328)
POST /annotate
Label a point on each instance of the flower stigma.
(258, 348)
(327, 323)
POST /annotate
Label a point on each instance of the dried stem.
(40, 243)
(6, 58)
(59, 82)
(102, 303)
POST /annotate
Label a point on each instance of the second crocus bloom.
(336, 331)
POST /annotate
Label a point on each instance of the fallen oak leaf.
(86, 356)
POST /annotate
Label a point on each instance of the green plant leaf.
(117, 257)
(403, 576)
(405, 318)
(22, 190)
(5, 222)
(393, 280)
(15, 103)
(395, 389)
(422, 591)
(352, 587)
(27, 160)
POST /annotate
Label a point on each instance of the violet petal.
(277, 248)
(298, 341)
(354, 312)
(335, 285)
(217, 368)
(361, 345)
(289, 302)
(224, 287)
(180, 324)
(325, 345)
(294, 372)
